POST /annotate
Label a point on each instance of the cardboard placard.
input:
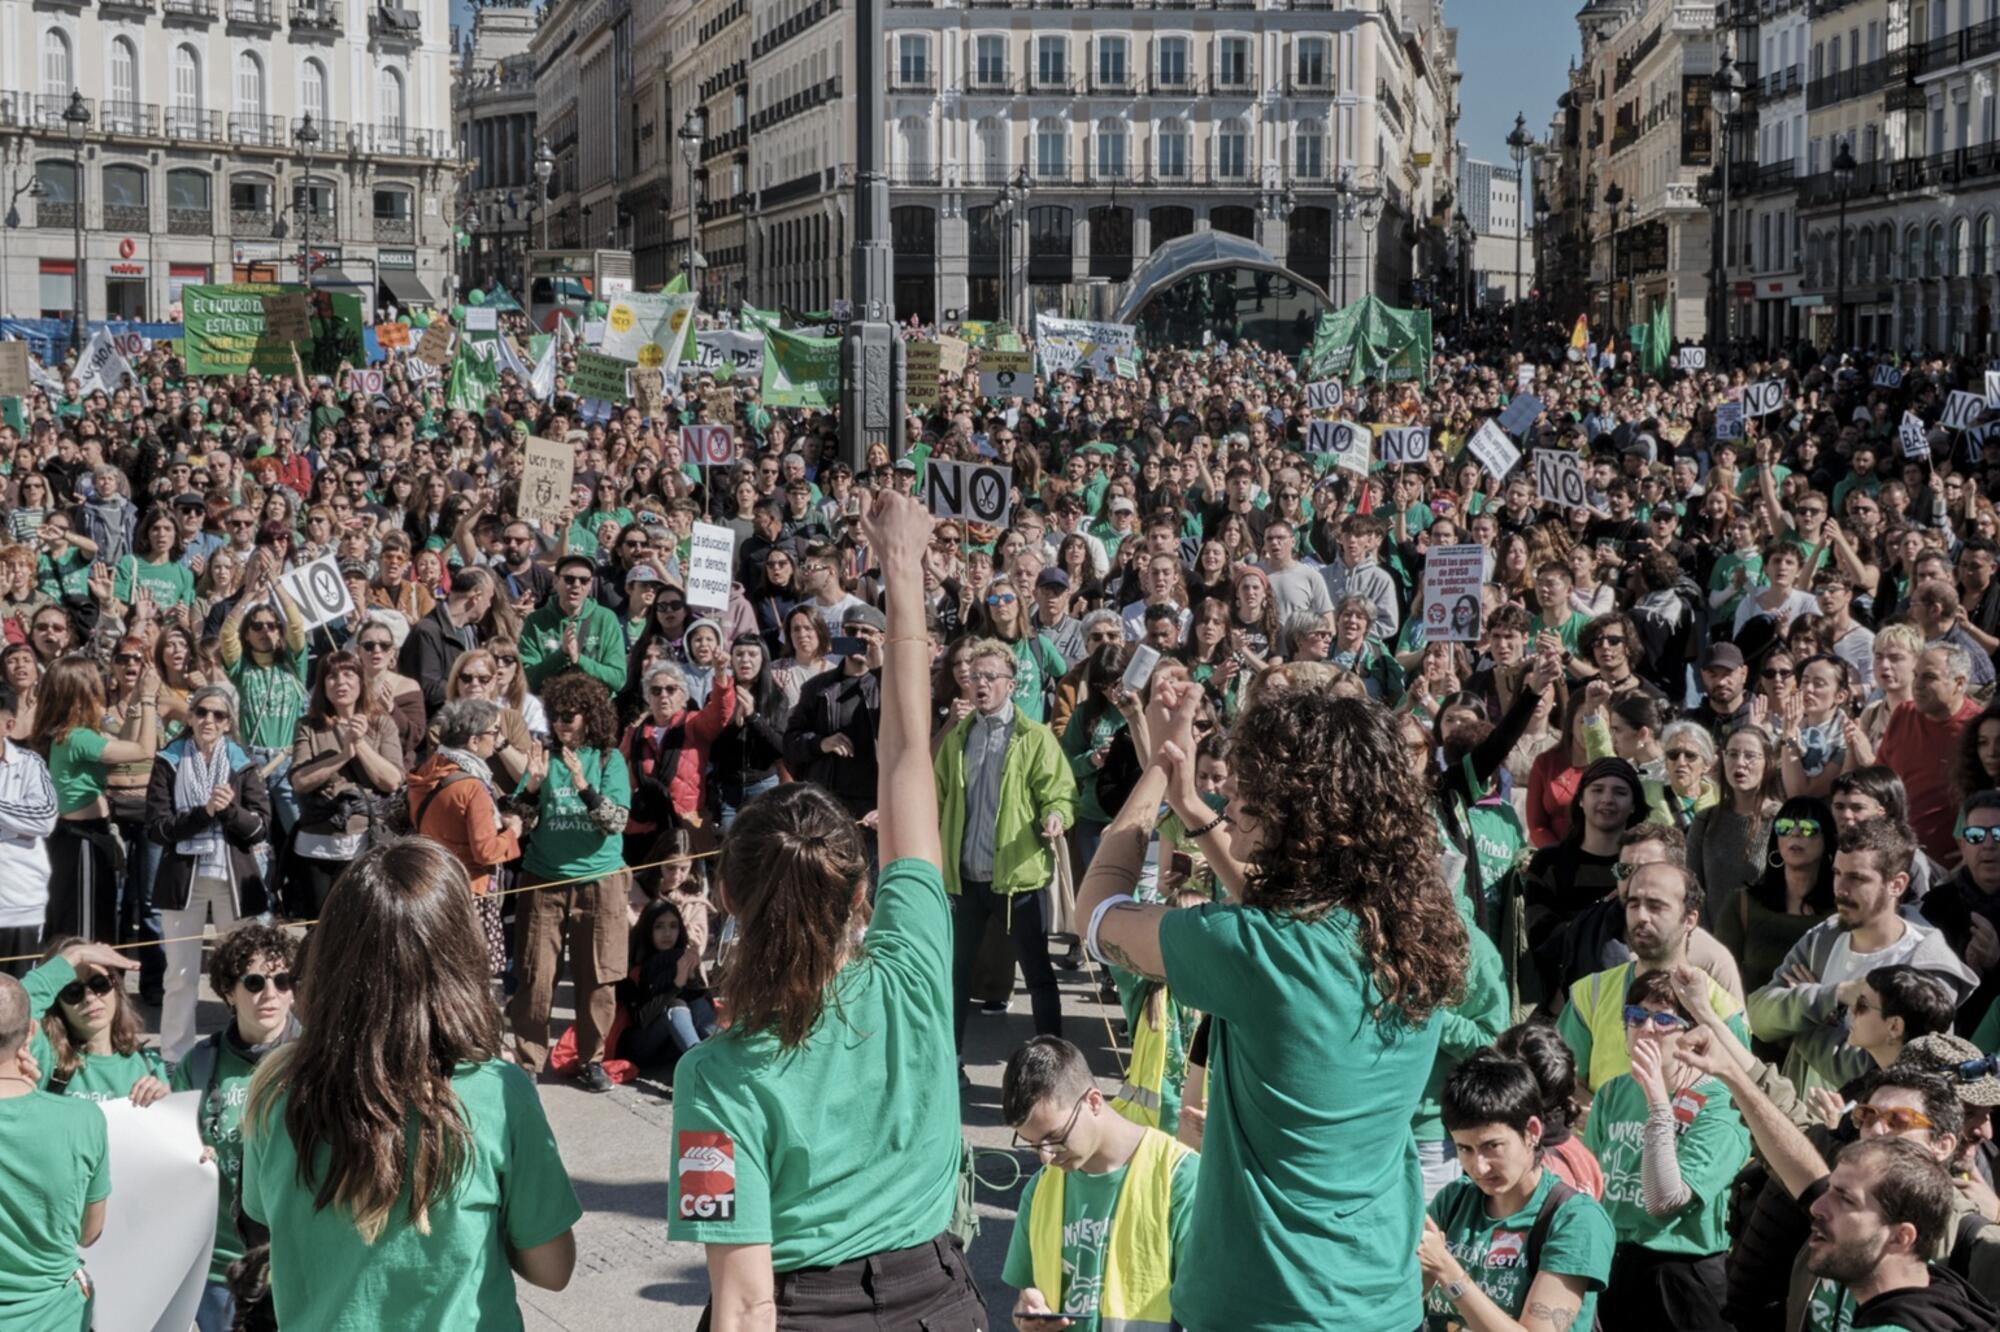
(1887, 376)
(434, 348)
(1325, 395)
(708, 445)
(1728, 422)
(1453, 607)
(1993, 388)
(285, 316)
(1006, 374)
(599, 377)
(954, 354)
(393, 336)
(546, 482)
(481, 319)
(648, 392)
(920, 372)
(1765, 398)
(711, 564)
(1521, 413)
(1492, 449)
(1962, 410)
(719, 404)
(1914, 439)
(1694, 358)
(1405, 446)
(1559, 478)
(979, 492)
(1344, 442)
(15, 381)
(318, 590)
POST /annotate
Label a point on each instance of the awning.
(332, 275)
(407, 288)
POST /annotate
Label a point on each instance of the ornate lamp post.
(76, 120)
(1517, 147)
(1726, 94)
(1843, 179)
(307, 139)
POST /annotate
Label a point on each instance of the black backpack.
(1559, 1193)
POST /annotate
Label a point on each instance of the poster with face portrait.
(1453, 609)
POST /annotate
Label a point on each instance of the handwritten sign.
(1559, 478)
(285, 316)
(435, 346)
(1765, 398)
(1324, 395)
(708, 445)
(599, 376)
(14, 378)
(1346, 443)
(546, 480)
(393, 336)
(711, 562)
(1916, 440)
(921, 360)
(1962, 410)
(1494, 451)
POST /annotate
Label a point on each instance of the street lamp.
(1462, 228)
(1843, 179)
(34, 189)
(76, 119)
(545, 170)
(1542, 211)
(1343, 212)
(1726, 94)
(307, 138)
(1371, 217)
(690, 136)
(1613, 197)
(1517, 146)
(1024, 184)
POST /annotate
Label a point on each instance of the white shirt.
(27, 817)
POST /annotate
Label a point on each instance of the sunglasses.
(470, 678)
(673, 605)
(382, 646)
(264, 627)
(1900, 1119)
(253, 982)
(1611, 640)
(210, 714)
(100, 984)
(1683, 755)
(506, 661)
(1003, 599)
(1636, 1016)
(129, 659)
(1980, 836)
(1796, 827)
(576, 580)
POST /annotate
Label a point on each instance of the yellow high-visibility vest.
(1138, 1097)
(1138, 1253)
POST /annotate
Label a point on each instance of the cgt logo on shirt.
(707, 1175)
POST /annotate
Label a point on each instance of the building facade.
(191, 167)
(1490, 197)
(493, 104)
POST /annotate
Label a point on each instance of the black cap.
(589, 565)
(190, 501)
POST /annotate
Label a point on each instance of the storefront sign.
(396, 258)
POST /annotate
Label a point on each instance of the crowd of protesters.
(1632, 959)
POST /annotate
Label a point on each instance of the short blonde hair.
(1904, 636)
(993, 648)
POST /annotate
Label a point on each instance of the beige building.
(709, 73)
(493, 106)
(191, 158)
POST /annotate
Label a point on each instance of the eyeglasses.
(242, 522)
(1862, 1006)
(1898, 1119)
(1796, 827)
(99, 984)
(253, 982)
(210, 714)
(989, 677)
(1050, 1146)
(577, 580)
(1980, 836)
(1636, 1016)
(506, 661)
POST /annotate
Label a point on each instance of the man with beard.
(1804, 1001)
(1662, 908)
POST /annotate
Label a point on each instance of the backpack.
(1559, 1193)
(396, 821)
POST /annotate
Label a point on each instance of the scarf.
(195, 778)
(473, 765)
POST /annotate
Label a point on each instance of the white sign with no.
(1404, 446)
(711, 559)
(1346, 442)
(977, 492)
(1559, 478)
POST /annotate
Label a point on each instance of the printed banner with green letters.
(800, 370)
(599, 377)
(225, 332)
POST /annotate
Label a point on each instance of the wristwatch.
(1455, 1290)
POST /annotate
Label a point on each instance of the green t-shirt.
(56, 1165)
(274, 698)
(111, 1077)
(170, 583)
(222, 1129)
(76, 767)
(1088, 1201)
(1312, 1199)
(848, 1144)
(1713, 1144)
(514, 1194)
(1829, 1307)
(565, 843)
(68, 577)
(1567, 631)
(1493, 1251)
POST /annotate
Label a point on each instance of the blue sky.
(1515, 56)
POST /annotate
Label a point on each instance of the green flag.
(1370, 339)
(800, 370)
(757, 321)
(475, 373)
(13, 412)
(690, 354)
(1660, 342)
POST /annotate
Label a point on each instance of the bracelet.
(1097, 919)
(1210, 826)
(925, 639)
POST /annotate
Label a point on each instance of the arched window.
(58, 177)
(126, 199)
(1982, 246)
(187, 79)
(1865, 261)
(1232, 150)
(913, 148)
(1913, 253)
(1934, 251)
(124, 70)
(389, 96)
(1111, 151)
(1309, 150)
(312, 89)
(1885, 244)
(190, 202)
(1850, 252)
(249, 85)
(57, 76)
(1959, 254)
(1173, 141)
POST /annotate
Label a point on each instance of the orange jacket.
(463, 819)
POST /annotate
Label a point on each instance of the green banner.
(14, 413)
(225, 335)
(599, 376)
(475, 374)
(1370, 339)
(759, 321)
(800, 370)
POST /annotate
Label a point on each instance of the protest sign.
(435, 347)
(546, 482)
(1559, 478)
(1325, 395)
(393, 336)
(1524, 377)
(1915, 440)
(369, 383)
(1961, 410)
(285, 316)
(1124, 367)
(1493, 450)
(159, 1224)
(649, 329)
(648, 392)
(742, 352)
(1345, 443)
(1694, 358)
(954, 354)
(224, 333)
(800, 370)
(1521, 413)
(920, 373)
(719, 404)
(1888, 376)
(1765, 398)
(318, 590)
(711, 557)
(1728, 422)
(1006, 374)
(708, 445)
(482, 319)
(599, 376)
(1139, 670)
(1404, 446)
(1993, 388)
(15, 382)
(979, 492)
(1452, 605)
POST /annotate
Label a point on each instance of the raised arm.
(899, 530)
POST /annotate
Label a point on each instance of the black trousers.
(925, 1288)
(975, 904)
(84, 865)
(1670, 1292)
(20, 941)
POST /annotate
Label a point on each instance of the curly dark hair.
(1969, 775)
(1347, 825)
(573, 692)
(236, 950)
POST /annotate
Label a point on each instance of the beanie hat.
(1624, 772)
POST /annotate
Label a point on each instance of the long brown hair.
(71, 696)
(69, 1052)
(791, 869)
(366, 705)
(392, 996)
(1347, 826)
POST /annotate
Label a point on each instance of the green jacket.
(600, 642)
(1035, 782)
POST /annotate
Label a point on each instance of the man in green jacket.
(574, 632)
(1005, 793)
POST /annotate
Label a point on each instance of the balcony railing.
(257, 131)
(1233, 80)
(188, 9)
(396, 230)
(1776, 177)
(316, 18)
(1175, 85)
(1050, 81)
(1094, 175)
(1956, 48)
(1320, 85)
(254, 223)
(1885, 177)
(913, 81)
(193, 125)
(190, 221)
(1856, 81)
(126, 6)
(254, 13)
(51, 214)
(42, 111)
(128, 217)
(129, 118)
(1110, 85)
(992, 85)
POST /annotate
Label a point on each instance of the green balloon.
(457, 314)
(597, 309)
(403, 319)
(476, 297)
